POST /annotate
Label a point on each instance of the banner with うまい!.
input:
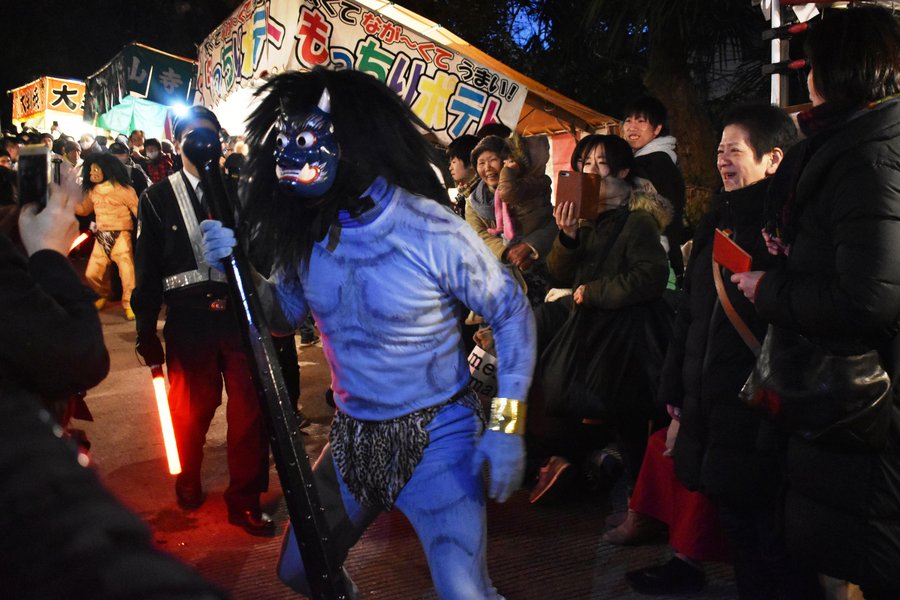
(451, 93)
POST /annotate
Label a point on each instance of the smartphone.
(35, 174)
(584, 190)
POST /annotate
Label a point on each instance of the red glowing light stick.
(165, 419)
(79, 240)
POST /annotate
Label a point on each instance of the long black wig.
(377, 134)
(112, 167)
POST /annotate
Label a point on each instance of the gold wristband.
(507, 416)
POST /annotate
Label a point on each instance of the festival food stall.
(138, 89)
(50, 101)
(451, 85)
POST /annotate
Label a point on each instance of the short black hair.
(619, 155)
(45, 135)
(58, 145)
(769, 127)
(4, 152)
(577, 157)
(496, 128)
(118, 148)
(651, 109)
(491, 143)
(70, 145)
(855, 55)
(462, 147)
(152, 142)
(234, 164)
(194, 114)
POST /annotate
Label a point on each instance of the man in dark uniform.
(203, 340)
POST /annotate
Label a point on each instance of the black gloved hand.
(150, 348)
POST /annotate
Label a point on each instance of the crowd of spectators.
(818, 221)
(143, 163)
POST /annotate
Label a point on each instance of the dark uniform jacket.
(841, 287)
(162, 249)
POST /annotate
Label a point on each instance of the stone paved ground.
(534, 553)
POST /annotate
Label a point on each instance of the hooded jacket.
(539, 238)
(526, 189)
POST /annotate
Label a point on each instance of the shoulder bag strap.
(741, 327)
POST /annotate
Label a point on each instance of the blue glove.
(505, 454)
(218, 241)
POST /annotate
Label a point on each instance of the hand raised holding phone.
(566, 218)
(38, 169)
(52, 228)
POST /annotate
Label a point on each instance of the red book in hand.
(729, 255)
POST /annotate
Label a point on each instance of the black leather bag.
(841, 401)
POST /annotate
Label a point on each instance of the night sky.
(75, 38)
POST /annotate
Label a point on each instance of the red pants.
(693, 519)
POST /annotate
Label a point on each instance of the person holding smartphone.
(617, 268)
(48, 499)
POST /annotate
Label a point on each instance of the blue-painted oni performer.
(341, 184)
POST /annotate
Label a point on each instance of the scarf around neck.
(482, 200)
(664, 143)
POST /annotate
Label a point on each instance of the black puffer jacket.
(708, 362)
(841, 286)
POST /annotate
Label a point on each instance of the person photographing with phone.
(612, 329)
(51, 346)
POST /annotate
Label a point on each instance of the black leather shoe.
(674, 577)
(190, 496)
(254, 522)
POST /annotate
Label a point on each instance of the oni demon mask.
(306, 153)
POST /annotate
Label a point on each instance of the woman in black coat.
(714, 433)
(839, 285)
